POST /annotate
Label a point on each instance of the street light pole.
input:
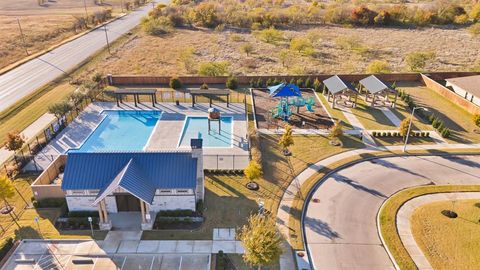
(410, 127)
(106, 37)
(91, 226)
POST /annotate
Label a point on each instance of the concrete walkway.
(390, 115)
(404, 225)
(30, 132)
(293, 189)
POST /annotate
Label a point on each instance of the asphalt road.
(341, 229)
(25, 79)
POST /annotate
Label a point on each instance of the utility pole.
(121, 4)
(23, 36)
(85, 5)
(106, 37)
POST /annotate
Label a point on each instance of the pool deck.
(165, 135)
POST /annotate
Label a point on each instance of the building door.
(127, 203)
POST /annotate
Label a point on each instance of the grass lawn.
(449, 243)
(22, 116)
(389, 229)
(336, 114)
(457, 119)
(27, 228)
(374, 119)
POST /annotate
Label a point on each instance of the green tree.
(378, 66)
(175, 83)
(336, 132)
(301, 45)
(287, 139)
(156, 26)
(317, 84)
(205, 14)
(476, 119)
(76, 97)
(60, 108)
(270, 35)
(232, 83)
(261, 240)
(7, 191)
(14, 141)
(253, 171)
(247, 48)
(284, 55)
(416, 61)
(213, 68)
(403, 128)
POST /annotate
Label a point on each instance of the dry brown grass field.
(150, 55)
(43, 26)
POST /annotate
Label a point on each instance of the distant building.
(466, 87)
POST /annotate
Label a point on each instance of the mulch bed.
(263, 105)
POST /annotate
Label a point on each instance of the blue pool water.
(197, 127)
(121, 131)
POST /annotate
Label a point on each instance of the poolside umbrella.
(285, 90)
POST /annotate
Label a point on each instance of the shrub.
(417, 61)
(232, 83)
(252, 83)
(270, 35)
(389, 134)
(269, 82)
(382, 18)
(15, 140)
(247, 48)
(204, 86)
(384, 134)
(446, 133)
(431, 118)
(475, 12)
(50, 203)
(156, 26)
(213, 68)
(427, 134)
(363, 16)
(436, 122)
(260, 83)
(301, 45)
(308, 83)
(6, 247)
(476, 120)
(374, 133)
(60, 108)
(177, 213)
(82, 214)
(205, 14)
(300, 83)
(316, 85)
(378, 66)
(175, 83)
(474, 29)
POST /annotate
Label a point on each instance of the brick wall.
(449, 94)
(392, 77)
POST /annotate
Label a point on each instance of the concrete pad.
(128, 246)
(140, 262)
(225, 246)
(195, 262)
(157, 263)
(96, 249)
(119, 260)
(147, 246)
(12, 265)
(32, 248)
(106, 263)
(239, 247)
(202, 246)
(110, 246)
(184, 246)
(63, 247)
(123, 235)
(170, 261)
(167, 246)
(224, 234)
(79, 266)
(84, 247)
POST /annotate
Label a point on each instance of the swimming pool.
(197, 127)
(121, 131)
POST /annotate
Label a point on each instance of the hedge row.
(397, 134)
(307, 83)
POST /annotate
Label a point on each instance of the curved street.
(341, 230)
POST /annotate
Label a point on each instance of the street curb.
(352, 163)
(53, 47)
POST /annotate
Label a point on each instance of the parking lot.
(89, 255)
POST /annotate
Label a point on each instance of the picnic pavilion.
(339, 90)
(374, 88)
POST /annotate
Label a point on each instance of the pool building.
(145, 182)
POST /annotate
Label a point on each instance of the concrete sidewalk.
(404, 222)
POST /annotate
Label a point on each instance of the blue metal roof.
(142, 171)
(282, 90)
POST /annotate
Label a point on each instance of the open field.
(457, 119)
(449, 243)
(43, 26)
(455, 50)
